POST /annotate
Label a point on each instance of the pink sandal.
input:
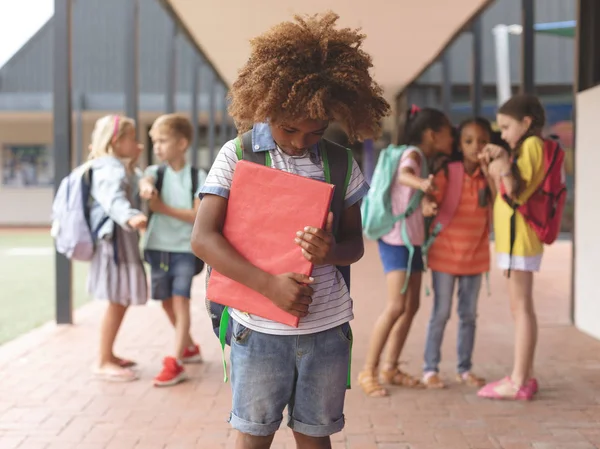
(515, 393)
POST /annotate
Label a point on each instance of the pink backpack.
(456, 171)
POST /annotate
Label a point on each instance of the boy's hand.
(317, 244)
(155, 204)
(147, 189)
(429, 207)
(289, 292)
(427, 185)
(138, 222)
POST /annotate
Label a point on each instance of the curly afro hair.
(308, 69)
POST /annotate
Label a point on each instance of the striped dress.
(116, 271)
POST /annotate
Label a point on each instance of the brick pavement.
(47, 399)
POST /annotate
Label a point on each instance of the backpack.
(377, 216)
(452, 196)
(544, 208)
(337, 166)
(71, 229)
(160, 176)
(455, 174)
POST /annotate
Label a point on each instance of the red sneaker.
(171, 374)
(192, 355)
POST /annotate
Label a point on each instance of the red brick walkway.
(47, 399)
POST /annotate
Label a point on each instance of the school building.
(167, 55)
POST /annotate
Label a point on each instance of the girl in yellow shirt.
(521, 120)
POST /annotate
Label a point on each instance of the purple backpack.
(71, 229)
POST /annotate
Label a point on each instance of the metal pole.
(503, 83)
(446, 83)
(477, 88)
(131, 24)
(528, 46)
(62, 144)
(194, 109)
(171, 69)
(211, 117)
(79, 150)
(223, 121)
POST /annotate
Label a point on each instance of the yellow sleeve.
(530, 164)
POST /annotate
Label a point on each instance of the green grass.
(27, 282)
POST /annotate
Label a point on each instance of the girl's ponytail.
(420, 120)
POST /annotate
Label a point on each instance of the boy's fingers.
(301, 278)
(329, 224)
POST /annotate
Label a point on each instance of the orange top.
(463, 247)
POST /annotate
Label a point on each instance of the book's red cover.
(266, 208)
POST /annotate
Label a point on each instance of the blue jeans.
(306, 373)
(443, 290)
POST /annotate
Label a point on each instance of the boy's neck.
(177, 164)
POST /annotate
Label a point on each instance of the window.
(27, 166)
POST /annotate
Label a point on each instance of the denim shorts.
(306, 373)
(395, 258)
(171, 273)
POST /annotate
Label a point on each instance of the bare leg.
(521, 299)
(245, 441)
(399, 332)
(167, 306)
(394, 309)
(109, 328)
(306, 442)
(181, 308)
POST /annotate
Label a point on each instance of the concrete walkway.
(48, 400)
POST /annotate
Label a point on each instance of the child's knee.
(181, 303)
(522, 306)
(395, 311)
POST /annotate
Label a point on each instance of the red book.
(266, 208)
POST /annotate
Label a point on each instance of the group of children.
(301, 76)
(460, 254)
(117, 271)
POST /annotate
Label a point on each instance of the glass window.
(27, 166)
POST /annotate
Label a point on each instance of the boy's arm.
(349, 248)
(186, 215)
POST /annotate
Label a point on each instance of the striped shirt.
(331, 304)
(401, 195)
(463, 247)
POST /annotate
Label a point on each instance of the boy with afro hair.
(300, 77)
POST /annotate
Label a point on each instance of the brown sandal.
(471, 380)
(433, 381)
(370, 385)
(395, 376)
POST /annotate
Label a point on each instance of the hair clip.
(414, 109)
(116, 130)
